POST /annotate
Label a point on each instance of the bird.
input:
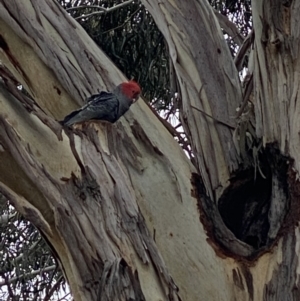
(108, 106)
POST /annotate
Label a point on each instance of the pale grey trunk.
(126, 213)
(267, 142)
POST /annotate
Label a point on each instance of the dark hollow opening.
(244, 207)
(245, 204)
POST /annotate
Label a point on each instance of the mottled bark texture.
(83, 189)
(207, 80)
(248, 168)
(127, 215)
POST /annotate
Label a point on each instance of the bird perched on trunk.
(105, 105)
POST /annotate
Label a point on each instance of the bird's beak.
(136, 99)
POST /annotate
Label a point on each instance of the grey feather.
(103, 106)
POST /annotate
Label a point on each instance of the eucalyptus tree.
(127, 214)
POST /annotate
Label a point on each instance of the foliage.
(131, 39)
(238, 11)
(28, 271)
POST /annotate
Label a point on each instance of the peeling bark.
(250, 189)
(102, 192)
(125, 212)
(208, 81)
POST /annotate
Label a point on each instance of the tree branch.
(32, 274)
(217, 120)
(103, 10)
(21, 256)
(53, 288)
(230, 28)
(6, 217)
(244, 49)
(88, 6)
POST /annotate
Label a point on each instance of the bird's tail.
(69, 119)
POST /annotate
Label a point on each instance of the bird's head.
(131, 89)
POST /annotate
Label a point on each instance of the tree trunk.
(126, 213)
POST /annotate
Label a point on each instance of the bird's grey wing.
(104, 107)
(100, 97)
(99, 106)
